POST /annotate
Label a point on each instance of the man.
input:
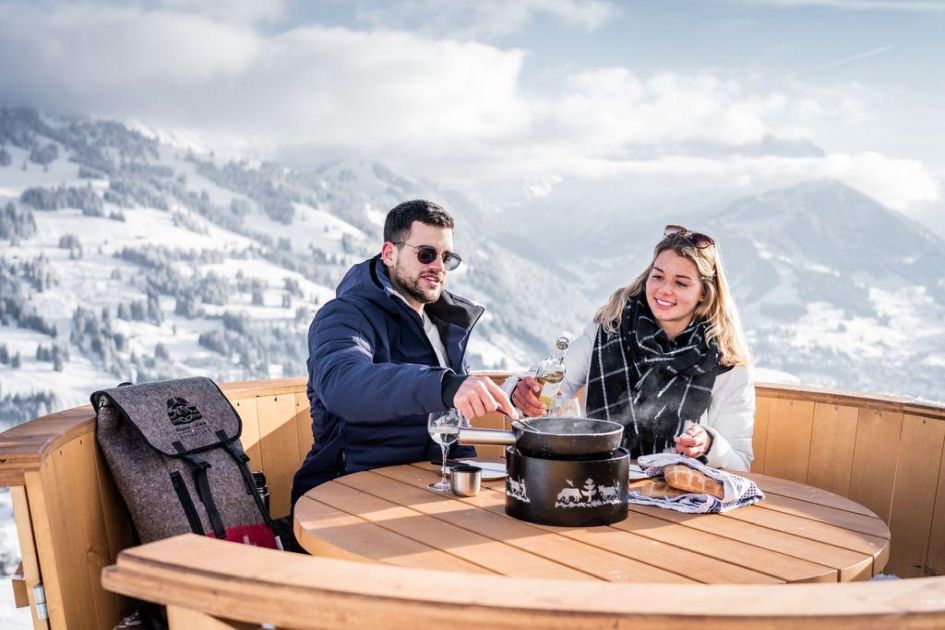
(389, 350)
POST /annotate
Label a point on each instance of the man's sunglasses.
(426, 254)
(697, 239)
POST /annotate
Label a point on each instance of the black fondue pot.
(576, 492)
(558, 436)
(562, 471)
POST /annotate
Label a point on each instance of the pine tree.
(590, 489)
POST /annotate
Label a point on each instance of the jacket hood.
(368, 281)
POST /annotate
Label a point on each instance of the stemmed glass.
(561, 406)
(443, 427)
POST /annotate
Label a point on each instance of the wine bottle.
(551, 372)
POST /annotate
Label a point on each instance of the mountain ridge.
(128, 259)
(151, 262)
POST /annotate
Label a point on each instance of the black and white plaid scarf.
(649, 384)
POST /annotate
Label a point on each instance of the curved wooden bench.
(885, 453)
(208, 584)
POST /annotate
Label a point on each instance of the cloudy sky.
(518, 96)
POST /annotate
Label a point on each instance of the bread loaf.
(654, 488)
(689, 479)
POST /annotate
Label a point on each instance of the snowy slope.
(837, 289)
(143, 260)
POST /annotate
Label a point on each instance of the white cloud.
(100, 56)
(858, 5)
(897, 183)
(606, 109)
(380, 89)
(854, 58)
(314, 85)
(466, 19)
(541, 187)
(451, 110)
(240, 11)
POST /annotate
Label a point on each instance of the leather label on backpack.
(179, 411)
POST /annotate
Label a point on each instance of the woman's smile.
(673, 291)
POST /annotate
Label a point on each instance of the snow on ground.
(770, 375)
(785, 290)
(72, 386)
(910, 309)
(908, 320)
(328, 226)
(310, 226)
(8, 539)
(376, 217)
(362, 174)
(485, 355)
(825, 326)
(14, 180)
(142, 226)
(11, 618)
(271, 274)
(176, 159)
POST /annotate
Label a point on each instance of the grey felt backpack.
(174, 451)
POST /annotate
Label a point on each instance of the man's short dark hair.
(401, 217)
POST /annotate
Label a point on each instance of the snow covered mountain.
(127, 259)
(838, 289)
(834, 289)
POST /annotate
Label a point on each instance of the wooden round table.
(797, 534)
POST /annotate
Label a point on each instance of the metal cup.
(465, 480)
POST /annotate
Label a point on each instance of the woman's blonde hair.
(717, 306)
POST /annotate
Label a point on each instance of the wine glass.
(443, 427)
(562, 406)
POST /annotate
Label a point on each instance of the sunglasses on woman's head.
(697, 239)
(426, 254)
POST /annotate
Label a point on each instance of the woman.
(666, 350)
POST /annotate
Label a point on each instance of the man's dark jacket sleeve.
(352, 386)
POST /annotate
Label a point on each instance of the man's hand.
(525, 397)
(695, 442)
(479, 395)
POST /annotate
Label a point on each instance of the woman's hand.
(525, 397)
(694, 442)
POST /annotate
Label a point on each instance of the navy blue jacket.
(373, 376)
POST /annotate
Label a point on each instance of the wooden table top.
(797, 534)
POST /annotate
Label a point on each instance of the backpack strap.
(242, 460)
(187, 504)
(201, 467)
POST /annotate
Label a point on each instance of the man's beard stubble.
(412, 287)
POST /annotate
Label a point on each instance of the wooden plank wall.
(275, 442)
(889, 458)
(889, 461)
(892, 463)
(277, 435)
(79, 526)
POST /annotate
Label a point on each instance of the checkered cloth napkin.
(738, 491)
